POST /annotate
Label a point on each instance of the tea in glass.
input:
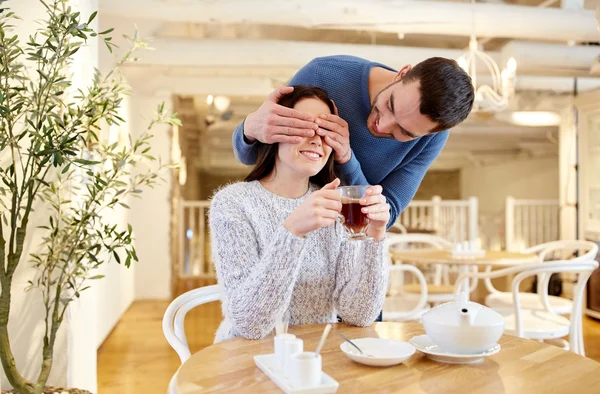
(353, 219)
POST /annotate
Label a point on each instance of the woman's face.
(309, 156)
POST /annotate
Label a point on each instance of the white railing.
(194, 243)
(530, 222)
(454, 220)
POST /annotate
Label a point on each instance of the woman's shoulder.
(233, 194)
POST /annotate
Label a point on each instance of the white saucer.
(385, 352)
(425, 345)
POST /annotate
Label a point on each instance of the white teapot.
(463, 327)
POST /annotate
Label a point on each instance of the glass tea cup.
(352, 216)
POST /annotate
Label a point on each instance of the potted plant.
(59, 160)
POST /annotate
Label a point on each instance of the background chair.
(556, 250)
(174, 319)
(398, 308)
(544, 324)
(439, 288)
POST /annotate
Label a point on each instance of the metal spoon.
(353, 344)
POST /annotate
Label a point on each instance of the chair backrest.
(416, 311)
(174, 317)
(588, 248)
(415, 238)
(431, 241)
(400, 228)
(583, 269)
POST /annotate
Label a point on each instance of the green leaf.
(97, 277)
(92, 17)
(124, 205)
(86, 162)
(106, 31)
(117, 257)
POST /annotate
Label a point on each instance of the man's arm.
(273, 123)
(400, 186)
(244, 150)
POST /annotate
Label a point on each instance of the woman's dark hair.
(267, 153)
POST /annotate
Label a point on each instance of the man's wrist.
(346, 158)
(248, 138)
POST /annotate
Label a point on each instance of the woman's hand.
(377, 210)
(321, 209)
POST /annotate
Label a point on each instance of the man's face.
(395, 113)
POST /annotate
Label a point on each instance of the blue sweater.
(398, 167)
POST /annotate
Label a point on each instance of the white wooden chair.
(398, 307)
(174, 318)
(541, 300)
(439, 288)
(544, 324)
(400, 228)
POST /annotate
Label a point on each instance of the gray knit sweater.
(264, 270)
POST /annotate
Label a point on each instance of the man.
(391, 124)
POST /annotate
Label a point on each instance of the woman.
(278, 247)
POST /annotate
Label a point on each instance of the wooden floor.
(137, 359)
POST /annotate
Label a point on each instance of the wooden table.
(432, 256)
(522, 366)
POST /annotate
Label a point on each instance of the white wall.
(151, 215)
(526, 178)
(116, 289)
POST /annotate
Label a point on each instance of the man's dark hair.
(447, 92)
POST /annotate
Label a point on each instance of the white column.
(509, 222)
(436, 200)
(567, 161)
(84, 314)
(473, 219)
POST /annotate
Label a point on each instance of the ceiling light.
(531, 118)
(493, 97)
(222, 103)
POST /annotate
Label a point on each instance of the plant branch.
(2, 255)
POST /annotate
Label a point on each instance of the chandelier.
(493, 96)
